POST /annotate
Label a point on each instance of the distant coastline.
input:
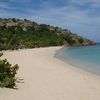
(19, 34)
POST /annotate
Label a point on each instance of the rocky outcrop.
(89, 43)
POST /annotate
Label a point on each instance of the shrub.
(1, 54)
(7, 74)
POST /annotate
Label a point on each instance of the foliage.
(7, 74)
(16, 33)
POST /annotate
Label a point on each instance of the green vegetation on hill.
(16, 33)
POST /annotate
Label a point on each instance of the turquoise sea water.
(85, 57)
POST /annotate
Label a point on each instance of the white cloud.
(83, 2)
(4, 5)
(22, 1)
(69, 14)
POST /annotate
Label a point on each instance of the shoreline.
(48, 78)
(88, 67)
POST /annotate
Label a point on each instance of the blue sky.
(80, 16)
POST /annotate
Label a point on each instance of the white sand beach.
(43, 77)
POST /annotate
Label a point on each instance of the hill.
(17, 33)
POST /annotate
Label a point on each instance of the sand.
(43, 77)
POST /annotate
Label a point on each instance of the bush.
(7, 74)
(1, 54)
